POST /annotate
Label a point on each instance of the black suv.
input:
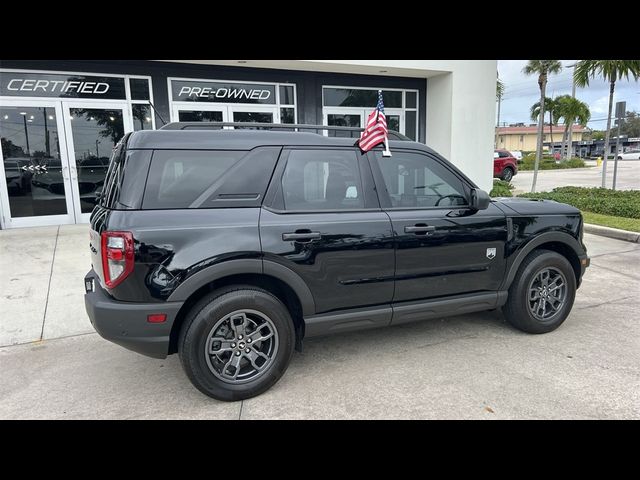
(231, 246)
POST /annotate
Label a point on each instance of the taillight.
(117, 257)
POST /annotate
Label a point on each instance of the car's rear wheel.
(236, 343)
(507, 174)
(542, 293)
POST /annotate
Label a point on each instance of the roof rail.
(354, 131)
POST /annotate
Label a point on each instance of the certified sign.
(20, 84)
(222, 92)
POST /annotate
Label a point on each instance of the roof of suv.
(241, 140)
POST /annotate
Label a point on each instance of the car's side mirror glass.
(479, 199)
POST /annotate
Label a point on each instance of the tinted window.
(411, 99)
(322, 180)
(141, 117)
(417, 180)
(348, 97)
(139, 88)
(286, 95)
(178, 177)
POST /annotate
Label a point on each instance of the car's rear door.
(321, 219)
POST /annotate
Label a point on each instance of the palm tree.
(542, 68)
(571, 110)
(500, 88)
(551, 106)
(611, 71)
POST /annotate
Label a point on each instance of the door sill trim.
(402, 312)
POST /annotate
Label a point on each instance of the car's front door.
(322, 220)
(442, 248)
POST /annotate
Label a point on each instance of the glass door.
(92, 130)
(343, 117)
(200, 113)
(253, 113)
(36, 189)
(356, 117)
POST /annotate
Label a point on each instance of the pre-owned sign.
(222, 92)
(20, 84)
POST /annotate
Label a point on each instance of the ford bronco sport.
(229, 247)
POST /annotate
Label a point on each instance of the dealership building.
(59, 120)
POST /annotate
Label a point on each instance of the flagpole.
(386, 152)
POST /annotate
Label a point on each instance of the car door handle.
(420, 229)
(301, 236)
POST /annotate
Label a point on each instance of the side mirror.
(479, 199)
(98, 194)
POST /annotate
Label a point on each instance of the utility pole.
(498, 122)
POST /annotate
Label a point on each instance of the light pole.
(573, 95)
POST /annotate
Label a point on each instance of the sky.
(522, 91)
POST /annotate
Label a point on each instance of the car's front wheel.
(236, 343)
(542, 293)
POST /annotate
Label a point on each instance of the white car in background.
(517, 154)
(630, 155)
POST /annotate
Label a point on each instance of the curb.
(612, 233)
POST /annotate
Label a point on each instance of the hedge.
(549, 163)
(501, 189)
(620, 203)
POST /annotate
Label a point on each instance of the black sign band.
(20, 84)
(222, 92)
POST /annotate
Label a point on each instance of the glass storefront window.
(32, 161)
(411, 99)
(142, 117)
(95, 132)
(139, 88)
(346, 120)
(257, 117)
(351, 97)
(286, 95)
(410, 119)
(287, 115)
(199, 116)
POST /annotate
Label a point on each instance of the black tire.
(518, 309)
(507, 174)
(193, 342)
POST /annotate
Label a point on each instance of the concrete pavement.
(469, 366)
(628, 177)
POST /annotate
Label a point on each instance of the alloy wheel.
(241, 346)
(547, 293)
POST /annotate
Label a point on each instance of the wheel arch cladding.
(561, 243)
(276, 286)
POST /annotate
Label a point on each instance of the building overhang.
(392, 68)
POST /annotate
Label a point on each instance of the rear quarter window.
(208, 178)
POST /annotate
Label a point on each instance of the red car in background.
(505, 165)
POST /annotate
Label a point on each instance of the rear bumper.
(125, 323)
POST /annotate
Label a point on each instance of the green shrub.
(501, 189)
(619, 203)
(549, 163)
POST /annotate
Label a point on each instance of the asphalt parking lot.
(475, 366)
(628, 177)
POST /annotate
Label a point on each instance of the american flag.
(376, 129)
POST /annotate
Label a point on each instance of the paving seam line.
(46, 304)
